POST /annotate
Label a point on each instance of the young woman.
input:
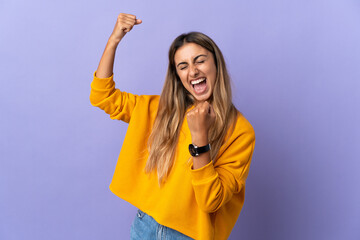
(186, 154)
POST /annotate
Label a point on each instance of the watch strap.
(196, 151)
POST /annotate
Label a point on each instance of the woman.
(187, 153)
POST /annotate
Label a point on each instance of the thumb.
(138, 21)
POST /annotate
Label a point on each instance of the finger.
(132, 19)
(128, 16)
(129, 21)
(204, 106)
(127, 27)
(190, 113)
(129, 24)
(124, 19)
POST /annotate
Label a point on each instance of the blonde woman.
(186, 154)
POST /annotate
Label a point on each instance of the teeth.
(197, 81)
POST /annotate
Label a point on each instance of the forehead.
(189, 51)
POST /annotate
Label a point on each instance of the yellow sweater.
(203, 204)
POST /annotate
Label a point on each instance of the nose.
(193, 71)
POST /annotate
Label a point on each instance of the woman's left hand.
(200, 119)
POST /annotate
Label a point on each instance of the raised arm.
(103, 93)
(124, 24)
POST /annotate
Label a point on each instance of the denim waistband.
(145, 227)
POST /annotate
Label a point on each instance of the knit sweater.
(202, 203)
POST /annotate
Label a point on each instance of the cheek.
(182, 78)
(183, 81)
(211, 72)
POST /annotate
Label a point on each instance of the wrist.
(197, 151)
(113, 41)
(200, 140)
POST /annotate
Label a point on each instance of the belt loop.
(140, 213)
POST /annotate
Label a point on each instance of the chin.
(202, 98)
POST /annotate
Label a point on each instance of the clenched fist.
(124, 24)
(200, 119)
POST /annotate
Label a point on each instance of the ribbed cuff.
(102, 83)
(203, 174)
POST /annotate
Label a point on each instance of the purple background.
(295, 66)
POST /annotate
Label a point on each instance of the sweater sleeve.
(117, 104)
(215, 184)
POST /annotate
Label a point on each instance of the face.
(196, 68)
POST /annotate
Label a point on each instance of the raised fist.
(124, 24)
(200, 119)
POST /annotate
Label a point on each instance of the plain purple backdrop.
(295, 67)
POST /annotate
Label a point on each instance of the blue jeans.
(144, 227)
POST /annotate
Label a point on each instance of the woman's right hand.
(124, 24)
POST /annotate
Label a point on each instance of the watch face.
(192, 150)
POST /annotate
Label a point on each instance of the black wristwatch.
(196, 151)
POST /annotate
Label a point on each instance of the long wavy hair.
(175, 101)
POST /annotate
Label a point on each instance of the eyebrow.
(201, 55)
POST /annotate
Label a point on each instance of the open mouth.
(199, 85)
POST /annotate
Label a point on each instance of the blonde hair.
(174, 102)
